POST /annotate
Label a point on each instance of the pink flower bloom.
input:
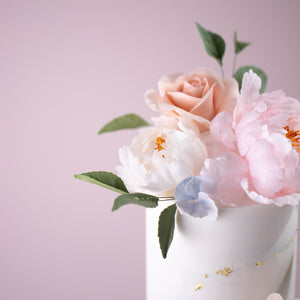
(263, 149)
(199, 96)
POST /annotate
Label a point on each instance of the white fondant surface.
(238, 239)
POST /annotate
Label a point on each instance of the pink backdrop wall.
(66, 68)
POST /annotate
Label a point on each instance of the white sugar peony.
(160, 157)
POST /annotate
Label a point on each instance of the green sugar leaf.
(104, 179)
(128, 121)
(166, 226)
(214, 44)
(242, 70)
(135, 198)
(239, 46)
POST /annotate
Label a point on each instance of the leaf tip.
(77, 176)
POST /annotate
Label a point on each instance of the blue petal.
(193, 186)
(206, 208)
(193, 202)
(181, 192)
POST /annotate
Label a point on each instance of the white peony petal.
(159, 157)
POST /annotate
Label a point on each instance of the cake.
(245, 254)
(219, 173)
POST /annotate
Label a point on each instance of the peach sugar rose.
(199, 95)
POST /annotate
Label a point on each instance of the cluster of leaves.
(113, 182)
(215, 47)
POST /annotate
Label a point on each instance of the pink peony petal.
(221, 178)
(250, 91)
(251, 85)
(220, 129)
(252, 194)
(265, 169)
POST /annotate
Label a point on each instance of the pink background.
(68, 67)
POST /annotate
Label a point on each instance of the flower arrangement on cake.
(218, 142)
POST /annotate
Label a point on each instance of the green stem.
(222, 70)
(234, 63)
(166, 199)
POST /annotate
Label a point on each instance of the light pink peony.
(262, 159)
(199, 95)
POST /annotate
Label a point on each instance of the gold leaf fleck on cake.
(276, 254)
(259, 263)
(225, 272)
(205, 275)
(199, 286)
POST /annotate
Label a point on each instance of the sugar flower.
(263, 149)
(191, 201)
(198, 95)
(161, 156)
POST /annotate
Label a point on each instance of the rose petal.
(166, 83)
(225, 95)
(205, 107)
(183, 101)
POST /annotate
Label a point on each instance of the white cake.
(248, 253)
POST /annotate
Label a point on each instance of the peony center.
(159, 141)
(159, 144)
(293, 136)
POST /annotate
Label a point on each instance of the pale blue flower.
(191, 201)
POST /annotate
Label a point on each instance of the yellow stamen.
(293, 136)
(159, 142)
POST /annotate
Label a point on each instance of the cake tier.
(247, 253)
